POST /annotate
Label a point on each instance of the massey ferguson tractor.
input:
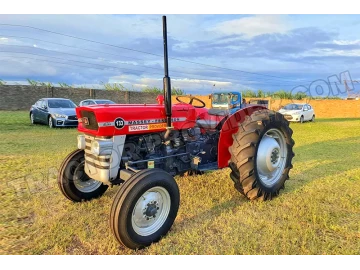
(141, 147)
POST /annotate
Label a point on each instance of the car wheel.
(302, 119)
(51, 122)
(32, 120)
(313, 118)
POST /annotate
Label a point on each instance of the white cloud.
(253, 26)
(347, 42)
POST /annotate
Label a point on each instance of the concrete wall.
(325, 108)
(21, 97)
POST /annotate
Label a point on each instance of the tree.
(33, 82)
(177, 92)
(65, 85)
(156, 90)
(113, 86)
(260, 94)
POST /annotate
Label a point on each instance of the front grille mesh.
(93, 125)
(102, 162)
(72, 117)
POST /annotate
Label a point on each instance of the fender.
(230, 127)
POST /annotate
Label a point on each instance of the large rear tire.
(144, 208)
(74, 183)
(261, 155)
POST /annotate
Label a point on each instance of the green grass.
(317, 213)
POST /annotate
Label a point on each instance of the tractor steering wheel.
(191, 101)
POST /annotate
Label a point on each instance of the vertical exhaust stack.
(166, 81)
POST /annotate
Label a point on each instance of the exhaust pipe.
(166, 83)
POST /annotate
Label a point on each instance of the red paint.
(160, 99)
(230, 127)
(131, 112)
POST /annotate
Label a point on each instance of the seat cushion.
(219, 112)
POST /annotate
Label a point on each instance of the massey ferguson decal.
(151, 121)
(119, 123)
(147, 127)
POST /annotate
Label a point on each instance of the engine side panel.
(231, 126)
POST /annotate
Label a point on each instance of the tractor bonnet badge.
(119, 123)
(83, 120)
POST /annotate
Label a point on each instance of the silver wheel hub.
(271, 157)
(86, 186)
(151, 211)
(82, 182)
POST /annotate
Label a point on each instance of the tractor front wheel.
(74, 183)
(144, 208)
(261, 155)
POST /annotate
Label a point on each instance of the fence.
(21, 97)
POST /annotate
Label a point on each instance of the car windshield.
(104, 102)
(61, 103)
(293, 107)
(222, 98)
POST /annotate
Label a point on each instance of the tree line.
(280, 94)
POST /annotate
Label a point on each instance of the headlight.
(95, 148)
(81, 141)
(101, 147)
(56, 115)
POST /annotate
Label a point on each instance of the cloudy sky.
(268, 52)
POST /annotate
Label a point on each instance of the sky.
(207, 52)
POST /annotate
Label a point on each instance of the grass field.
(317, 213)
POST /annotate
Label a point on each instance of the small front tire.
(51, 122)
(144, 208)
(32, 120)
(74, 183)
(301, 119)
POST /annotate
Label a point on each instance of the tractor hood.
(126, 119)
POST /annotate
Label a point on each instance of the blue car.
(54, 112)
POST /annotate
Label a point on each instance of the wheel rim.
(151, 211)
(83, 182)
(32, 118)
(50, 122)
(271, 157)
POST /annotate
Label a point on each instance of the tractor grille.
(288, 117)
(72, 117)
(92, 123)
(102, 162)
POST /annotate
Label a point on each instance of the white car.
(297, 112)
(88, 102)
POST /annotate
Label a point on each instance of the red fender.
(230, 127)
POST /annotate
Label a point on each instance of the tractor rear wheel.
(74, 183)
(144, 208)
(261, 155)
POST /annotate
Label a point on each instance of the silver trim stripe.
(142, 122)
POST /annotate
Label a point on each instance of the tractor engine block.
(182, 151)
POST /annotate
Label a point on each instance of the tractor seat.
(206, 124)
(218, 112)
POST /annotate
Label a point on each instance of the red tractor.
(143, 146)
